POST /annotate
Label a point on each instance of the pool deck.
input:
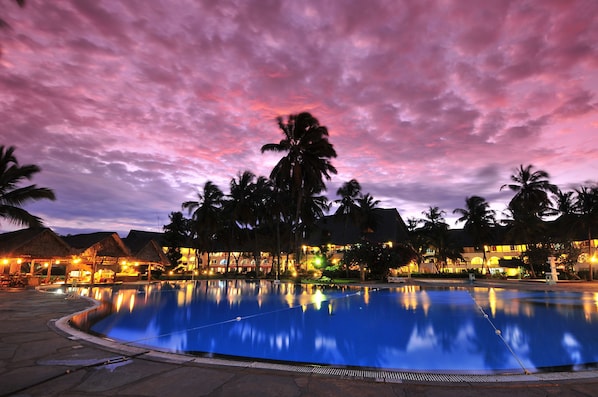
(38, 358)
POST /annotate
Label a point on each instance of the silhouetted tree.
(12, 196)
(479, 221)
(306, 163)
(176, 235)
(205, 216)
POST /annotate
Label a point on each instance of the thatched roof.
(102, 244)
(33, 243)
(152, 253)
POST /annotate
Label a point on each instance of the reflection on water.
(476, 330)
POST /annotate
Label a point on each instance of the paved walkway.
(38, 359)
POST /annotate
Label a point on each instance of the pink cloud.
(426, 101)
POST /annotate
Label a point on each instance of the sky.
(129, 107)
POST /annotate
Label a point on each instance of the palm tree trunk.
(227, 262)
(297, 229)
(483, 258)
(591, 276)
(531, 266)
(277, 249)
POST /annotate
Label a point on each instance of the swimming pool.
(450, 329)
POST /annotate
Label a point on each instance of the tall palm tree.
(435, 230)
(306, 163)
(479, 220)
(349, 192)
(273, 216)
(367, 219)
(417, 240)
(205, 216)
(240, 208)
(348, 209)
(531, 191)
(241, 199)
(13, 197)
(529, 205)
(586, 207)
(564, 208)
(175, 236)
(564, 203)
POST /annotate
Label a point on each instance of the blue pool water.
(451, 329)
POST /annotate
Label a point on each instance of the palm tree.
(531, 191)
(564, 208)
(563, 203)
(12, 197)
(273, 216)
(417, 240)
(586, 207)
(529, 204)
(435, 230)
(349, 192)
(241, 196)
(306, 163)
(479, 220)
(367, 218)
(205, 216)
(175, 236)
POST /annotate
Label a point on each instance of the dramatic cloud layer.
(130, 106)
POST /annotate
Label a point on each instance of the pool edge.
(387, 376)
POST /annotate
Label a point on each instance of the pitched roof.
(34, 243)
(136, 240)
(336, 230)
(152, 252)
(106, 243)
(84, 241)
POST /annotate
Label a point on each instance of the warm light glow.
(318, 298)
(5, 261)
(131, 303)
(119, 301)
(492, 301)
(366, 295)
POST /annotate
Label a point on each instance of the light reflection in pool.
(399, 328)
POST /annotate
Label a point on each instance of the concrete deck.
(37, 358)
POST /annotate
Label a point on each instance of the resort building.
(41, 254)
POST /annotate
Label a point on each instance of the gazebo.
(27, 250)
(100, 252)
